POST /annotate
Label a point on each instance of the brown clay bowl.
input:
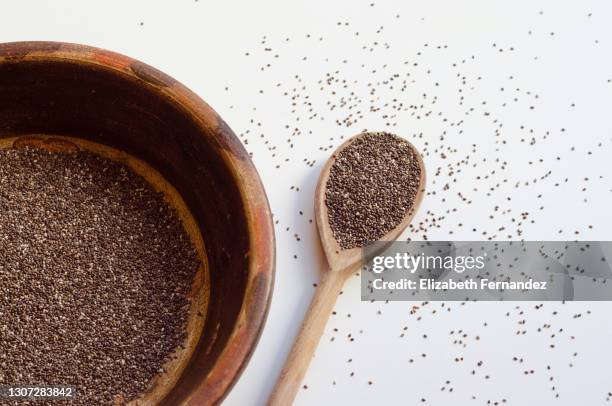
(51, 92)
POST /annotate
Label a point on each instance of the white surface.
(203, 44)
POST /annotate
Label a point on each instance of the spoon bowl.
(337, 257)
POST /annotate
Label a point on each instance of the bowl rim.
(241, 344)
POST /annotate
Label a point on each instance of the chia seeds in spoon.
(372, 183)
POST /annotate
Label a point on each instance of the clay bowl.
(58, 96)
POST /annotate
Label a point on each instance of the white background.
(555, 54)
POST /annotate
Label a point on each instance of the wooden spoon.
(342, 263)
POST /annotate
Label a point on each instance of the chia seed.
(95, 268)
(372, 183)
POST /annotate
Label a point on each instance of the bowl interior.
(96, 103)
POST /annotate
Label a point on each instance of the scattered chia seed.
(94, 272)
(372, 184)
(499, 168)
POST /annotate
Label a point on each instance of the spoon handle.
(308, 338)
